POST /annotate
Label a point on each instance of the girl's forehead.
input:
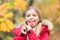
(31, 11)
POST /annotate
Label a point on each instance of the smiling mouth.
(31, 21)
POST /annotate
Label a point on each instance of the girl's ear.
(26, 22)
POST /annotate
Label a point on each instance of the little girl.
(33, 28)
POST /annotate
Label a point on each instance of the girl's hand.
(28, 27)
(24, 30)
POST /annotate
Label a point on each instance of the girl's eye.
(28, 15)
(34, 15)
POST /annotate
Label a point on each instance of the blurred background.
(11, 14)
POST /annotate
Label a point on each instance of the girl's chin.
(32, 25)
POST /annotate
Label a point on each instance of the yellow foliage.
(2, 19)
(21, 19)
(50, 18)
(7, 30)
(58, 19)
(17, 1)
(10, 25)
(23, 5)
(8, 15)
(6, 26)
(20, 4)
(2, 13)
(54, 0)
(8, 6)
(3, 27)
(8, 38)
(4, 7)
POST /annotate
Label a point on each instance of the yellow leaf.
(10, 25)
(23, 5)
(3, 27)
(2, 19)
(7, 29)
(20, 4)
(21, 19)
(16, 2)
(9, 15)
(4, 7)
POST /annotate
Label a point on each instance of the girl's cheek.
(36, 18)
(27, 18)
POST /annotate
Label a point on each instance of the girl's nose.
(31, 16)
(32, 19)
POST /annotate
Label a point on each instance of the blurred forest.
(11, 14)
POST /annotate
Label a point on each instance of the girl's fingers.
(24, 30)
(28, 27)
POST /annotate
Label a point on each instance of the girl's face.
(32, 17)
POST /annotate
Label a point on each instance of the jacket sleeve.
(16, 31)
(44, 33)
(18, 34)
(32, 35)
(42, 36)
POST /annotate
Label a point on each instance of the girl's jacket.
(43, 34)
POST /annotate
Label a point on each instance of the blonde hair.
(37, 29)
